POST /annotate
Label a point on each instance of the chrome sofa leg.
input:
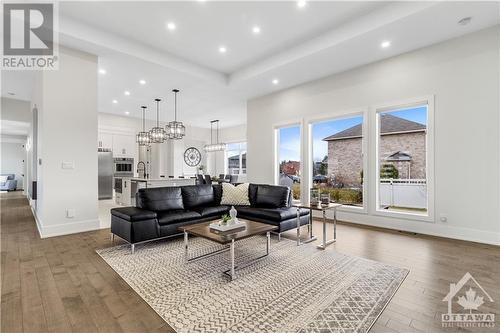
(279, 237)
(112, 236)
(132, 248)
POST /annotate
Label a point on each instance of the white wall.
(463, 76)
(67, 104)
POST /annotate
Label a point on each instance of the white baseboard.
(66, 228)
(38, 223)
(425, 228)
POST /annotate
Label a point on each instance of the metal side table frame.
(323, 209)
(311, 238)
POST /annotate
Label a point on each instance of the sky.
(289, 148)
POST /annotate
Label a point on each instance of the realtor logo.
(29, 38)
(469, 295)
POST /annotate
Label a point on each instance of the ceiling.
(295, 45)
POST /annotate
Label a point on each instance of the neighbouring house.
(402, 144)
(233, 164)
(291, 168)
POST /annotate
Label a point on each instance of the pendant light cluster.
(175, 130)
(217, 146)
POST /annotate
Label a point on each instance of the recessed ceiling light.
(143, 82)
(385, 44)
(465, 21)
(171, 26)
(127, 113)
(222, 49)
(11, 93)
(301, 4)
(102, 71)
(276, 81)
(256, 30)
(126, 93)
(115, 101)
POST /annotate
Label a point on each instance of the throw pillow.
(3, 180)
(235, 195)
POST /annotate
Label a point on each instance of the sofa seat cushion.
(270, 214)
(212, 210)
(174, 216)
(133, 214)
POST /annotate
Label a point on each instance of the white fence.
(407, 193)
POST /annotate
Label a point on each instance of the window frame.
(333, 116)
(375, 170)
(276, 141)
(226, 163)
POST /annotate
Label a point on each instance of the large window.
(402, 160)
(288, 140)
(337, 166)
(236, 158)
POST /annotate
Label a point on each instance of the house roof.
(389, 124)
(399, 156)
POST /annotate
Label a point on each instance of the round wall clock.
(192, 156)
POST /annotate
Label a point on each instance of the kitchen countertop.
(156, 179)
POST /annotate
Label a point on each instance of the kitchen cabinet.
(123, 145)
(105, 140)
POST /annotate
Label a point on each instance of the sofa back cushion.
(197, 196)
(217, 194)
(160, 198)
(252, 194)
(271, 196)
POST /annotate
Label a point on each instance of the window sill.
(407, 216)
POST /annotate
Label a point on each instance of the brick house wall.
(345, 159)
(411, 143)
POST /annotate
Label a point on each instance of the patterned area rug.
(294, 289)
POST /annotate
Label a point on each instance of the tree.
(323, 168)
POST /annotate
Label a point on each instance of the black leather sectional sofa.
(159, 212)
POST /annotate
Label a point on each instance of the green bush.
(341, 195)
(389, 171)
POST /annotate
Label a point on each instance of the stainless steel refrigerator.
(105, 174)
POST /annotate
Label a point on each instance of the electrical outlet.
(443, 218)
(70, 213)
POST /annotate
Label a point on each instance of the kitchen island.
(130, 186)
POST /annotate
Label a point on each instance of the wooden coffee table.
(228, 238)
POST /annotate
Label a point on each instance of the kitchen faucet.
(144, 174)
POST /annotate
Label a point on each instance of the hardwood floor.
(60, 284)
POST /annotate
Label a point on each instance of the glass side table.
(323, 209)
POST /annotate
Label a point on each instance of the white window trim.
(364, 143)
(375, 173)
(276, 142)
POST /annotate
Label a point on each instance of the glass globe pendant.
(158, 134)
(175, 130)
(143, 138)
